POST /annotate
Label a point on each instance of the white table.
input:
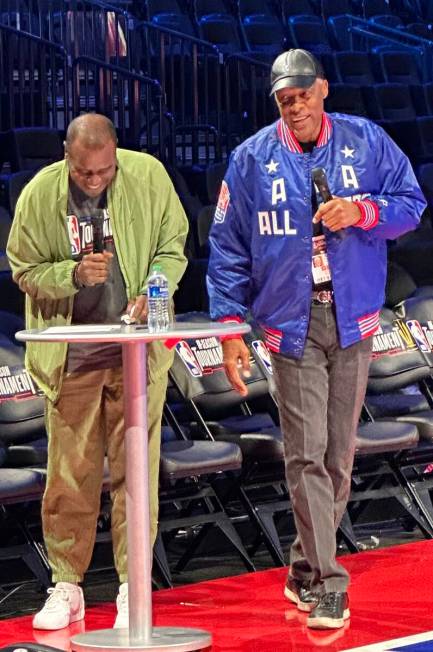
(141, 635)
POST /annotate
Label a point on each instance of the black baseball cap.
(295, 69)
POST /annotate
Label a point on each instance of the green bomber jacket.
(149, 226)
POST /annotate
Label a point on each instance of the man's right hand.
(236, 357)
(94, 268)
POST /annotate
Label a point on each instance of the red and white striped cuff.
(369, 214)
(234, 319)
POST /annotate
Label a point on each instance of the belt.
(322, 296)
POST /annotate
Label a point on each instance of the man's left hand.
(337, 214)
(137, 308)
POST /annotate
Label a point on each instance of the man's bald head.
(90, 150)
(91, 130)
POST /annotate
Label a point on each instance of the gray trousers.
(320, 399)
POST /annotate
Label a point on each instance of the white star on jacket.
(272, 166)
(348, 153)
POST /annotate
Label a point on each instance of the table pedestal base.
(178, 639)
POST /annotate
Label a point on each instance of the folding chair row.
(206, 403)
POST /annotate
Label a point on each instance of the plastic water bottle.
(158, 318)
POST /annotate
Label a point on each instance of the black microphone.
(321, 182)
(98, 232)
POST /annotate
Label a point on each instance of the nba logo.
(74, 234)
(189, 359)
(265, 358)
(418, 335)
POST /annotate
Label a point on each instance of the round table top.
(131, 333)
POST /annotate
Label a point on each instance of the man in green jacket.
(50, 250)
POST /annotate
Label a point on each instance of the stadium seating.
(307, 32)
(354, 67)
(264, 35)
(221, 30)
(187, 497)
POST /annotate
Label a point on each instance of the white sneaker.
(65, 605)
(122, 618)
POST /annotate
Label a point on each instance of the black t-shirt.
(100, 304)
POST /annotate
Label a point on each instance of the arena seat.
(155, 7)
(398, 66)
(335, 8)
(187, 498)
(308, 33)
(221, 30)
(31, 148)
(20, 489)
(217, 413)
(346, 98)
(387, 20)
(255, 8)
(392, 101)
(354, 67)
(375, 7)
(264, 35)
(298, 8)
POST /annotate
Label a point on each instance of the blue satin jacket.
(261, 237)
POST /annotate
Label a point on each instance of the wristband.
(75, 280)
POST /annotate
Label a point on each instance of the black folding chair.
(188, 499)
(202, 398)
(399, 367)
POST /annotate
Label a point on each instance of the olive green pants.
(84, 425)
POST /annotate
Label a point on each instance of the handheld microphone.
(98, 232)
(321, 182)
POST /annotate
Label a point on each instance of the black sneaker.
(299, 592)
(331, 611)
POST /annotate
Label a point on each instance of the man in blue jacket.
(310, 265)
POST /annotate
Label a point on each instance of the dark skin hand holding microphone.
(94, 269)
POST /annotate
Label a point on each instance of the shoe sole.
(328, 623)
(74, 619)
(302, 606)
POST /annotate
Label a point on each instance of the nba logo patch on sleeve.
(223, 203)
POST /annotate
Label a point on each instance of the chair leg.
(32, 560)
(413, 511)
(358, 506)
(37, 566)
(230, 532)
(189, 552)
(346, 532)
(222, 521)
(265, 525)
(259, 540)
(33, 552)
(160, 561)
(423, 504)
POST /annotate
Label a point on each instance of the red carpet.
(391, 597)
